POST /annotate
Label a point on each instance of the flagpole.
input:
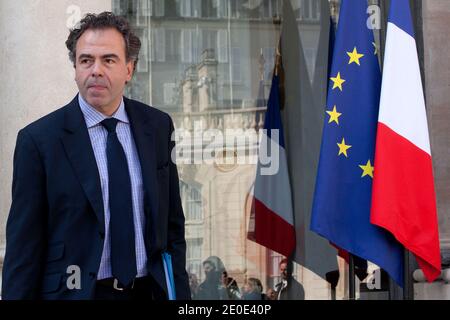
(277, 59)
(407, 289)
(351, 277)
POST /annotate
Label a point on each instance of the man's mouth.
(97, 87)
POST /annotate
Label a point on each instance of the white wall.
(36, 76)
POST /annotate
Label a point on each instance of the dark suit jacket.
(293, 291)
(57, 216)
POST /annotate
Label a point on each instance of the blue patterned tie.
(123, 254)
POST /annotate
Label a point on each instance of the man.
(288, 288)
(209, 289)
(95, 195)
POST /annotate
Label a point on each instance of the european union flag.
(341, 207)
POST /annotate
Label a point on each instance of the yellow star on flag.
(337, 81)
(334, 115)
(367, 170)
(355, 56)
(343, 148)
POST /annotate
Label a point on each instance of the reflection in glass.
(209, 64)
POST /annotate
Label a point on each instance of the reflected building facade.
(209, 64)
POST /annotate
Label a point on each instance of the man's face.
(101, 69)
(283, 271)
(208, 267)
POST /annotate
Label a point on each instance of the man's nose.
(97, 70)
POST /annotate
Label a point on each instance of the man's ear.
(130, 70)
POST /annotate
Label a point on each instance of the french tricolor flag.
(403, 195)
(272, 200)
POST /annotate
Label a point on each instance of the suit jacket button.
(92, 275)
(102, 235)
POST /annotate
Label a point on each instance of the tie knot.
(110, 124)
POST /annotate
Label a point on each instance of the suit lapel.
(79, 150)
(143, 131)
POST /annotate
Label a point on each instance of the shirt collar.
(93, 117)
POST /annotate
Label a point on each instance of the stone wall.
(436, 23)
(35, 73)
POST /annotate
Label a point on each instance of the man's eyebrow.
(84, 55)
(105, 56)
(110, 55)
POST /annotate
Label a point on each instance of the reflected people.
(193, 285)
(217, 284)
(288, 288)
(271, 294)
(253, 290)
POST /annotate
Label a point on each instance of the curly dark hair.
(105, 20)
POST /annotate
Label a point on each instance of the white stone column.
(36, 76)
(437, 81)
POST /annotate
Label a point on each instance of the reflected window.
(173, 40)
(143, 11)
(237, 64)
(120, 7)
(210, 9)
(191, 198)
(190, 8)
(170, 93)
(157, 8)
(221, 7)
(271, 8)
(234, 8)
(189, 45)
(158, 46)
(210, 40)
(222, 46)
(142, 65)
(309, 10)
(269, 62)
(194, 256)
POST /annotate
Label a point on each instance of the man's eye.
(110, 61)
(83, 61)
